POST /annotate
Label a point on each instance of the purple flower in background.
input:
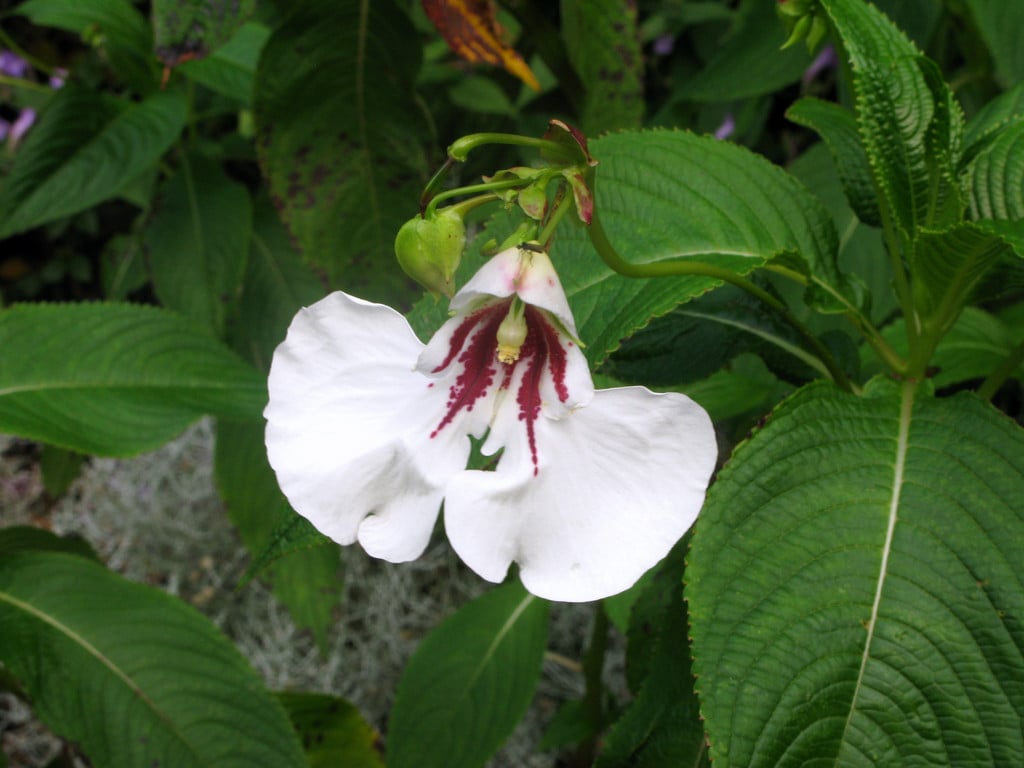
(21, 125)
(825, 60)
(5, 128)
(726, 129)
(12, 65)
(664, 44)
(58, 77)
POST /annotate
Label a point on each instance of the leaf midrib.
(119, 674)
(907, 393)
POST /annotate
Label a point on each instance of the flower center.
(506, 344)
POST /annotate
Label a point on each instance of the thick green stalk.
(599, 239)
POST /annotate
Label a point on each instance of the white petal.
(348, 426)
(622, 480)
(521, 271)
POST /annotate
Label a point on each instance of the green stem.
(995, 380)
(562, 207)
(593, 697)
(19, 82)
(489, 186)
(37, 64)
(461, 148)
(599, 239)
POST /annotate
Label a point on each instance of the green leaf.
(603, 46)
(84, 150)
(947, 265)
(198, 241)
(1003, 110)
(26, 538)
(973, 348)
(570, 725)
(855, 581)
(999, 23)
(481, 94)
(347, 171)
(292, 533)
(895, 107)
(117, 27)
(666, 196)
(231, 69)
(60, 468)
(195, 28)
(838, 128)
(131, 674)
(748, 61)
(332, 731)
(469, 682)
(115, 379)
(277, 284)
(306, 581)
(995, 176)
(745, 386)
(662, 726)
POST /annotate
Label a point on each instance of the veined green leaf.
(895, 107)
(602, 44)
(115, 379)
(195, 28)
(332, 731)
(854, 583)
(198, 242)
(995, 176)
(116, 27)
(25, 538)
(997, 114)
(664, 196)
(292, 533)
(131, 674)
(345, 171)
(838, 128)
(488, 651)
(85, 149)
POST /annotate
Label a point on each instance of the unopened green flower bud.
(512, 333)
(429, 250)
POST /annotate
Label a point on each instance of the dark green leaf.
(345, 171)
(117, 27)
(307, 581)
(748, 61)
(60, 467)
(469, 682)
(133, 675)
(1005, 109)
(332, 731)
(86, 148)
(26, 538)
(231, 69)
(602, 43)
(291, 533)
(838, 128)
(198, 242)
(995, 176)
(854, 585)
(188, 29)
(999, 23)
(570, 725)
(115, 379)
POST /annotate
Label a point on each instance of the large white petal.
(348, 427)
(620, 481)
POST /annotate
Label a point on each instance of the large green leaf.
(195, 28)
(667, 195)
(85, 149)
(198, 242)
(838, 128)
(603, 46)
(115, 379)
(340, 136)
(133, 675)
(995, 176)
(1003, 110)
(116, 27)
(748, 61)
(855, 585)
(308, 582)
(469, 682)
(895, 108)
(999, 23)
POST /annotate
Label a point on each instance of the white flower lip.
(368, 430)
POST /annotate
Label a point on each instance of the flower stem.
(461, 148)
(562, 206)
(593, 698)
(995, 380)
(599, 239)
(488, 186)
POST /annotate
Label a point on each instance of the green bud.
(817, 32)
(429, 250)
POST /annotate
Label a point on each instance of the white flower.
(369, 430)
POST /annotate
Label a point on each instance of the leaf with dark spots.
(193, 29)
(340, 138)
